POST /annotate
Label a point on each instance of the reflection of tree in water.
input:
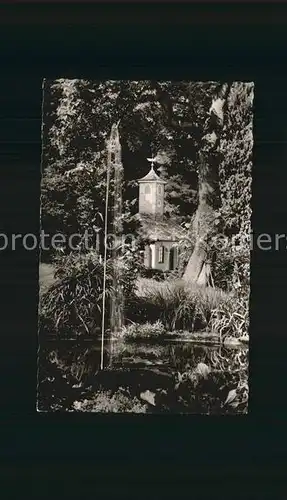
(217, 357)
(151, 351)
(63, 371)
(193, 378)
(215, 382)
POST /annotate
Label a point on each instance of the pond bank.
(205, 338)
(195, 338)
(70, 378)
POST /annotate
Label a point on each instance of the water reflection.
(175, 356)
(70, 369)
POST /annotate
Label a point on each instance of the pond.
(69, 372)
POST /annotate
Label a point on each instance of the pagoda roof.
(151, 176)
(161, 230)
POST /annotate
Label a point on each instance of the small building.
(161, 252)
(151, 194)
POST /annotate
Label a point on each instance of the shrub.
(139, 310)
(106, 402)
(180, 306)
(144, 331)
(192, 307)
(231, 268)
(220, 386)
(73, 304)
(231, 319)
(155, 274)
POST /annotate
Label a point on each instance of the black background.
(43, 454)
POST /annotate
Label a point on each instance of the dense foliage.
(167, 118)
(186, 308)
(73, 304)
(235, 186)
(78, 119)
(178, 122)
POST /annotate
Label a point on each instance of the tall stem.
(105, 262)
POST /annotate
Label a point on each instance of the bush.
(73, 304)
(155, 274)
(220, 386)
(231, 319)
(191, 307)
(144, 331)
(231, 269)
(106, 402)
(177, 305)
(139, 310)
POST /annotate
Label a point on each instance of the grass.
(186, 307)
(181, 306)
(73, 303)
(147, 331)
(46, 276)
(109, 402)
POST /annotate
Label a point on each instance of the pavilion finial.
(152, 161)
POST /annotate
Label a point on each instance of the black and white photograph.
(144, 275)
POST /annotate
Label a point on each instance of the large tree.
(205, 224)
(201, 132)
(78, 116)
(217, 118)
(201, 121)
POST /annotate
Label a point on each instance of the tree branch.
(166, 103)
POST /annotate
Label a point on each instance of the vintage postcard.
(145, 246)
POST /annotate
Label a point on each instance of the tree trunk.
(117, 295)
(199, 267)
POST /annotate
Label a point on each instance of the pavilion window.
(161, 255)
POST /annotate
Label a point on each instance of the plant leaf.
(148, 396)
(234, 404)
(231, 396)
(203, 370)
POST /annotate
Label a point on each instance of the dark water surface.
(66, 368)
